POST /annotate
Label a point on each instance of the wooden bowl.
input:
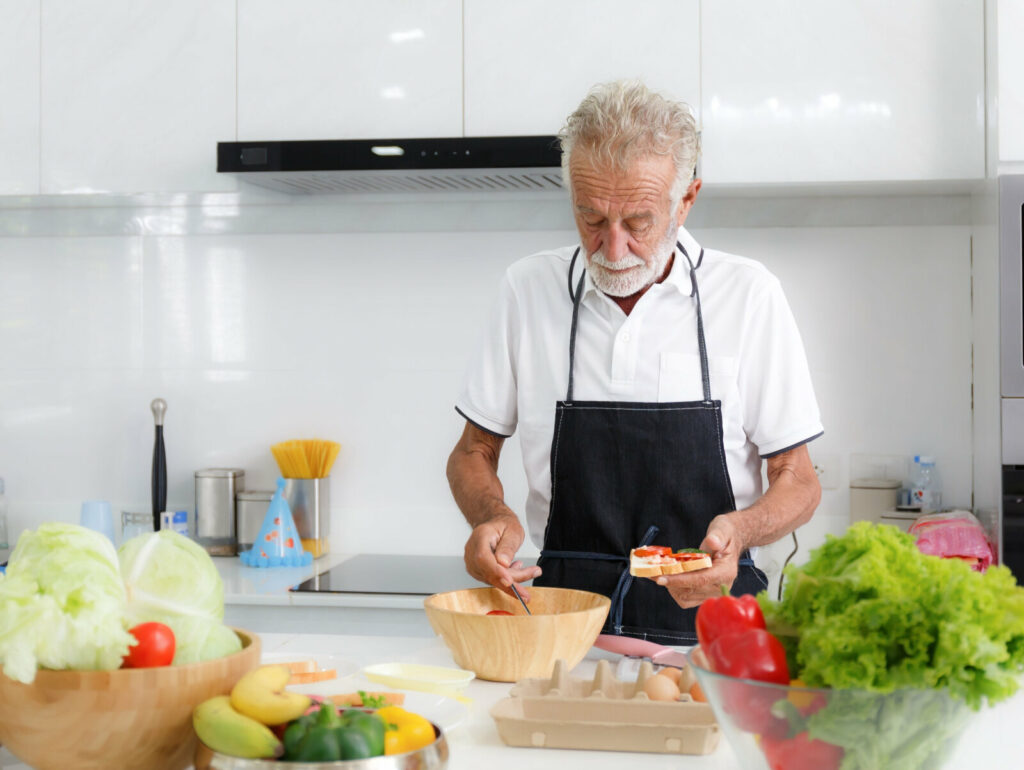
(507, 648)
(128, 718)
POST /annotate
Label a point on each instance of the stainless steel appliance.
(476, 164)
(1011, 359)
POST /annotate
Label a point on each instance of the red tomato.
(499, 612)
(155, 647)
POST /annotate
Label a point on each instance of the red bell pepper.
(752, 654)
(800, 753)
(727, 614)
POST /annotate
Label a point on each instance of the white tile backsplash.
(362, 337)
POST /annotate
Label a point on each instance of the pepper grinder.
(159, 475)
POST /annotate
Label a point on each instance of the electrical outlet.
(827, 468)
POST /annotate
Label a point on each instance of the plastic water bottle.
(925, 489)
(3, 518)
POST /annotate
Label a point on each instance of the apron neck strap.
(701, 345)
(577, 295)
(575, 318)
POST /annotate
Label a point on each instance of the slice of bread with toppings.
(654, 560)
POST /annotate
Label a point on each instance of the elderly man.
(648, 378)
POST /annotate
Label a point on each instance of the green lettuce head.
(62, 603)
(170, 579)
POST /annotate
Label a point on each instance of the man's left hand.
(722, 541)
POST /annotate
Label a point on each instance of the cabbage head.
(170, 579)
(62, 603)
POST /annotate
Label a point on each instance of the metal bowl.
(429, 757)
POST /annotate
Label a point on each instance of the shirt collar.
(678, 276)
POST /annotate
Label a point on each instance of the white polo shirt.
(756, 360)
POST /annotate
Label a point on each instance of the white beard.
(631, 274)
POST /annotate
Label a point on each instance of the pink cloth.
(953, 535)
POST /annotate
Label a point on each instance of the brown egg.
(672, 673)
(660, 687)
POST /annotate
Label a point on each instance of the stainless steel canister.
(216, 527)
(250, 511)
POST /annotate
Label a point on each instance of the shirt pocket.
(680, 378)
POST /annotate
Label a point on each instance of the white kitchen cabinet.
(837, 91)
(19, 97)
(1010, 24)
(345, 69)
(529, 63)
(136, 94)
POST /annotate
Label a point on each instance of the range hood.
(460, 164)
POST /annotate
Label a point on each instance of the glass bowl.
(777, 727)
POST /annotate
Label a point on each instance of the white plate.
(443, 711)
(343, 666)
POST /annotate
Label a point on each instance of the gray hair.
(620, 121)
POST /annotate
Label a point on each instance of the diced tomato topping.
(653, 550)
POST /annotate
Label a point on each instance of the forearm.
(476, 488)
(789, 502)
(473, 477)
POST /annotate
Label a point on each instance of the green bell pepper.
(370, 726)
(325, 735)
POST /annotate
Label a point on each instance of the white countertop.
(474, 742)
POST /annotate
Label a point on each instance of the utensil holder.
(310, 503)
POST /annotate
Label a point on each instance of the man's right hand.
(490, 554)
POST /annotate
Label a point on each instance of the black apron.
(626, 474)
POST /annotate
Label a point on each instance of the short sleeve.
(488, 398)
(780, 409)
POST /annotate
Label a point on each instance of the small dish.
(341, 666)
(414, 676)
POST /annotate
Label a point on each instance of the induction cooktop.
(371, 573)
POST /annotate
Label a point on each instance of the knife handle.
(158, 478)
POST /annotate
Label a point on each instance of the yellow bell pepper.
(800, 699)
(404, 731)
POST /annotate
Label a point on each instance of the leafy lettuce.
(62, 603)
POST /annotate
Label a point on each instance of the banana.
(226, 731)
(260, 694)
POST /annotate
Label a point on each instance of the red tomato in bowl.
(499, 612)
(155, 647)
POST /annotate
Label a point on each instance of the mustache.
(628, 261)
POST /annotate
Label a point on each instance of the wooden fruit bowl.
(128, 718)
(504, 648)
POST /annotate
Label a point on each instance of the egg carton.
(604, 713)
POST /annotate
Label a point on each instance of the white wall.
(361, 337)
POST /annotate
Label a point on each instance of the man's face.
(626, 221)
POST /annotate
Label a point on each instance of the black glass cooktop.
(371, 573)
